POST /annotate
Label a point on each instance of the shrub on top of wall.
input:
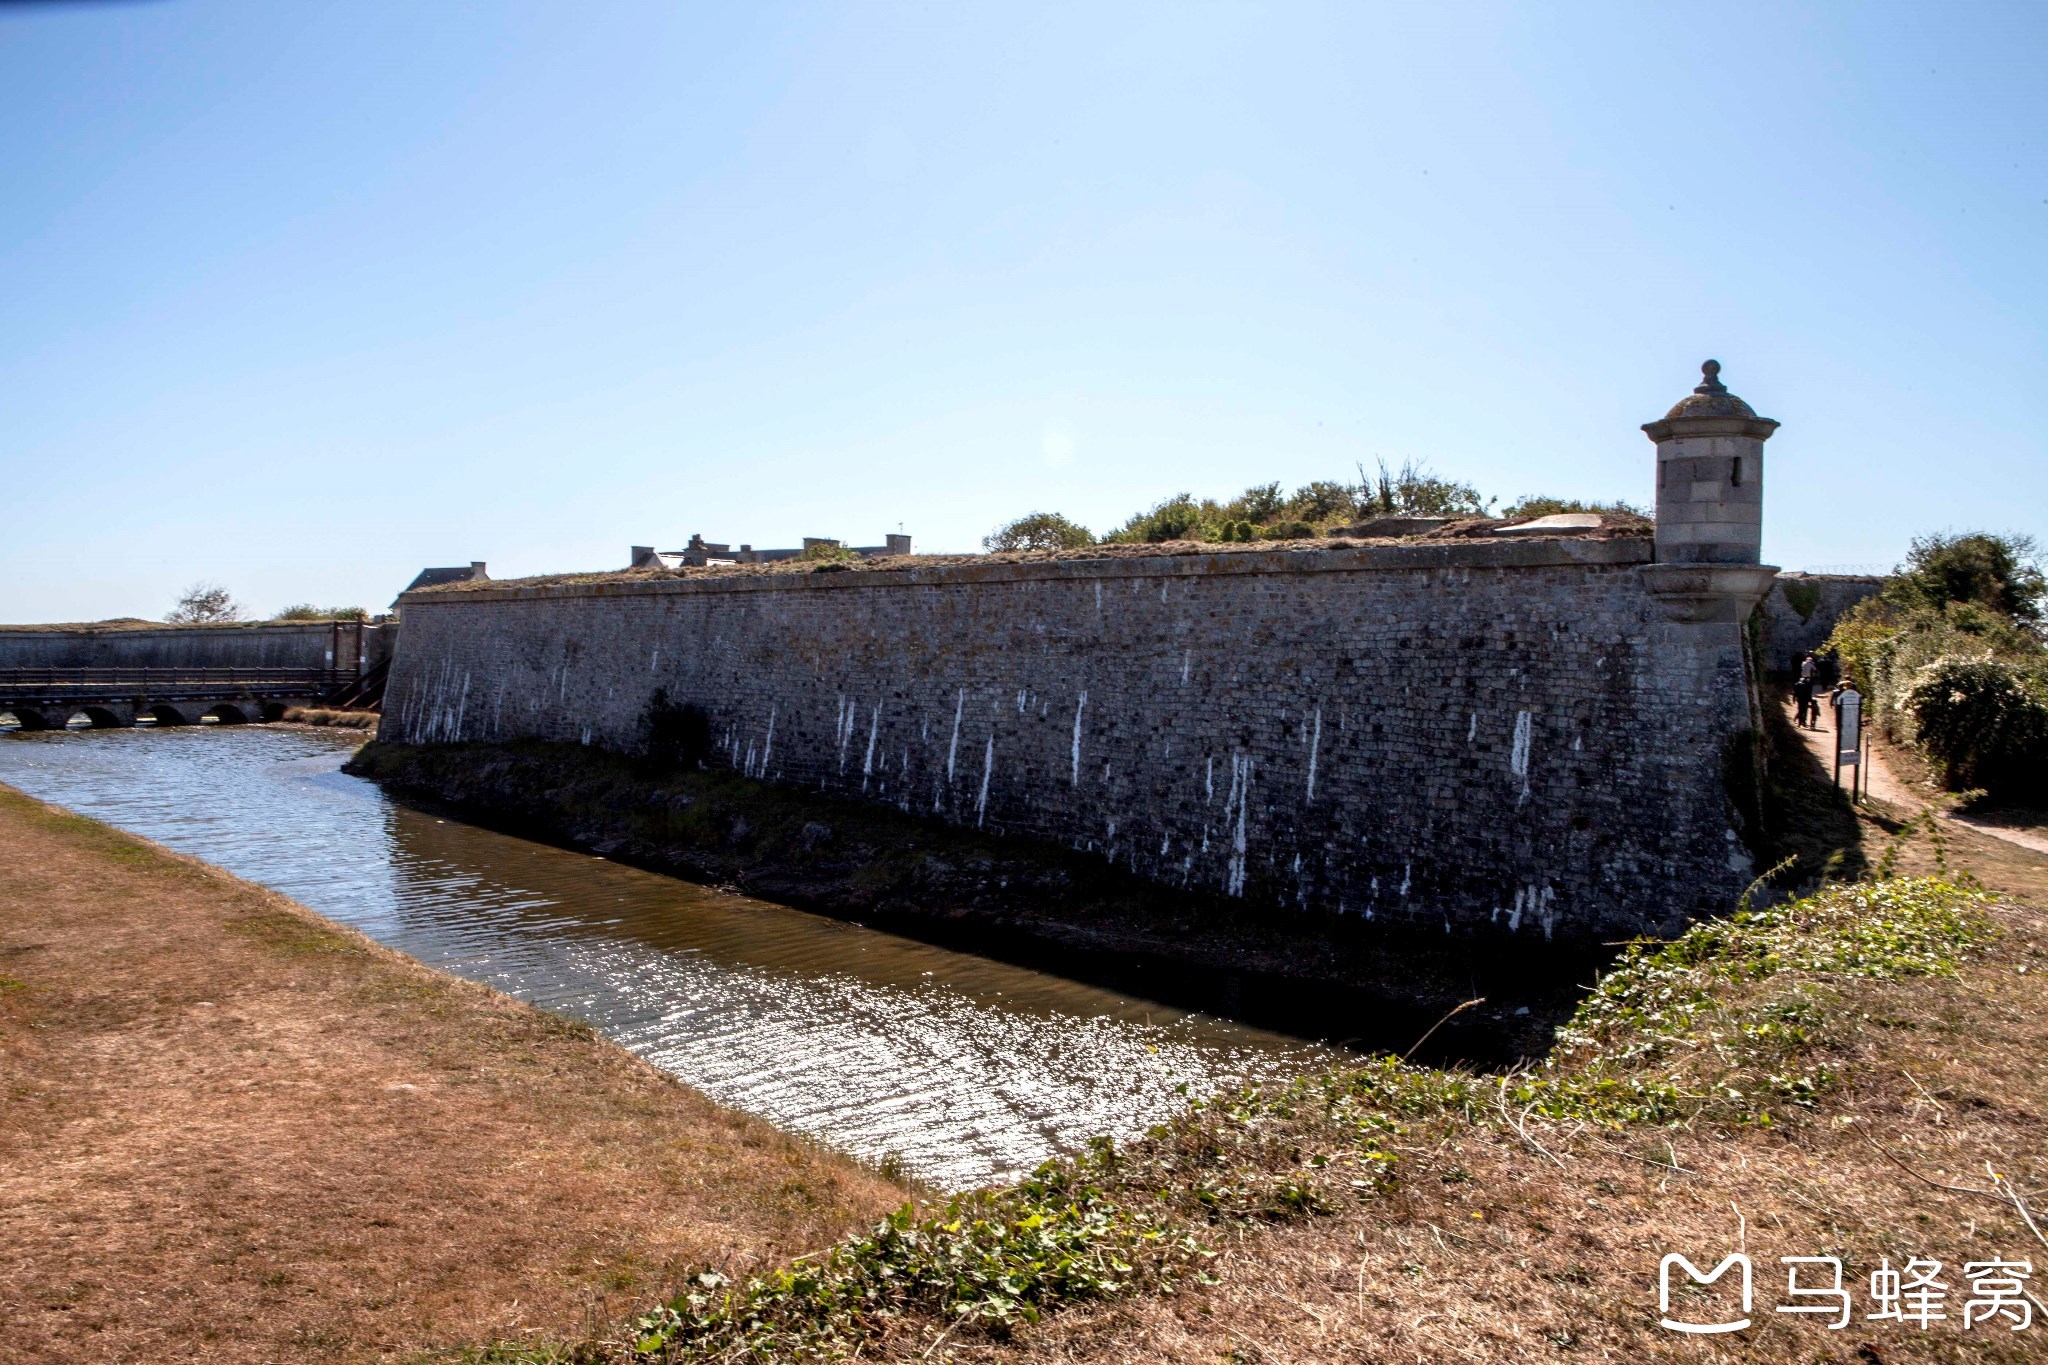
(1802, 597)
(1983, 720)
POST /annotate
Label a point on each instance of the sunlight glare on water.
(967, 1069)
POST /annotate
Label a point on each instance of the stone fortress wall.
(1529, 734)
(1464, 733)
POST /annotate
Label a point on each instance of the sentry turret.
(1710, 476)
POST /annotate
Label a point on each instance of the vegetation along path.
(233, 1131)
(1904, 796)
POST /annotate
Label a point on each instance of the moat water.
(966, 1069)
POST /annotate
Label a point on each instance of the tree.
(1038, 531)
(1318, 502)
(204, 602)
(1180, 517)
(1258, 504)
(306, 611)
(1413, 491)
(2000, 573)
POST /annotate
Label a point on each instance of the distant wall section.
(307, 644)
(1801, 610)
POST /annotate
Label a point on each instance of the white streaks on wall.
(1472, 730)
(988, 765)
(1079, 707)
(768, 742)
(1209, 780)
(842, 731)
(1532, 901)
(654, 659)
(1237, 805)
(1315, 743)
(1518, 753)
(953, 746)
(1187, 661)
(867, 762)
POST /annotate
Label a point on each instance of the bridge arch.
(167, 713)
(235, 712)
(44, 717)
(113, 717)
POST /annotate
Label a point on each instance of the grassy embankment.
(233, 1131)
(1860, 1073)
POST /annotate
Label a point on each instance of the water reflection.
(968, 1069)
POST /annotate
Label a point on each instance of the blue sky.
(301, 297)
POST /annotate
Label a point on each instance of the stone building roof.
(1711, 401)
(434, 578)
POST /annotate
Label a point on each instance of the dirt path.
(232, 1131)
(1883, 784)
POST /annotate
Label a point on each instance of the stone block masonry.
(1521, 736)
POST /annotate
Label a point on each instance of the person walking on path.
(1802, 691)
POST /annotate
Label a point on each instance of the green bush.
(2001, 574)
(828, 552)
(1038, 531)
(1983, 720)
(1180, 517)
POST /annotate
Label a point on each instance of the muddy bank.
(1025, 901)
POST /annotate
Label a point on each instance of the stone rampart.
(1523, 735)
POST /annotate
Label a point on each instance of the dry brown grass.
(1491, 1251)
(1492, 1248)
(232, 1131)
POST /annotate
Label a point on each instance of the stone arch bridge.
(110, 697)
